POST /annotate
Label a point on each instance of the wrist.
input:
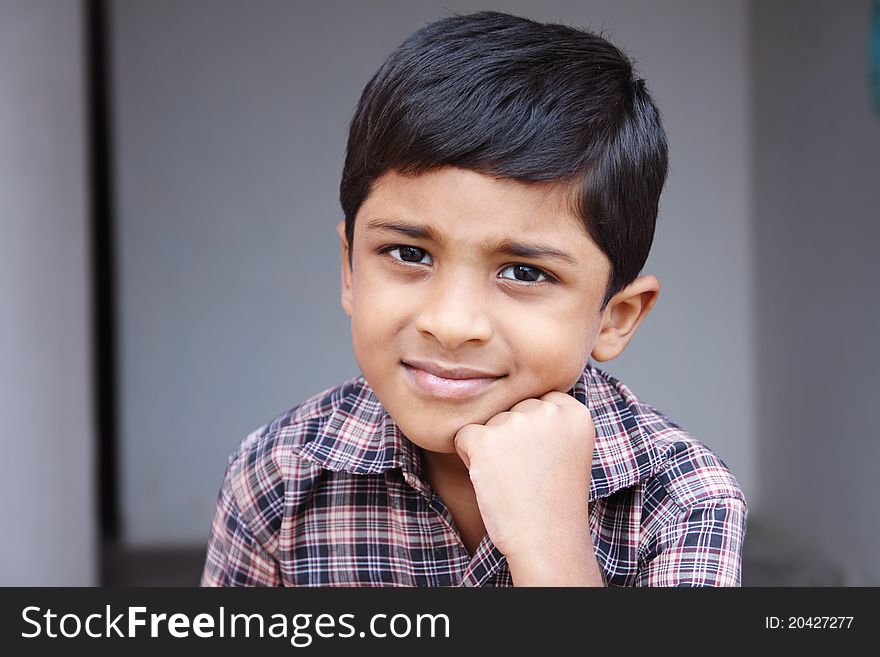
(566, 564)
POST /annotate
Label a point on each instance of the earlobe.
(347, 297)
(622, 316)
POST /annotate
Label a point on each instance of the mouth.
(441, 382)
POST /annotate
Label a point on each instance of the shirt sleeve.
(235, 557)
(701, 546)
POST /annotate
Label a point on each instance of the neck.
(445, 467)
(452, 483)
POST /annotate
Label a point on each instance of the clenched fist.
(530, 468)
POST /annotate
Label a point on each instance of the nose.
(454, 312)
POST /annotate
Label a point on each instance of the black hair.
(517, 99)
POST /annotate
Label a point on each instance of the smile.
(439, 382)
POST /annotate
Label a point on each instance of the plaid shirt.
(331, 494)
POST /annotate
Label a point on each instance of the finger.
(501, 418)
(558, 398)
(527, 405)
(567, 402)
(463, 443)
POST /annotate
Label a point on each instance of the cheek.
(553, 347)
(377, 316)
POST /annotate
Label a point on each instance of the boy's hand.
(530, 468)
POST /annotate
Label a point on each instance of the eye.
(410, 254)
(525, 274)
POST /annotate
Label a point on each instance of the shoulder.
(686, 470)
(679, 507)
(266, 475)
(301, 424)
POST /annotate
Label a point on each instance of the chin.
(439, 439)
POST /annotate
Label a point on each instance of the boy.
(500, 192)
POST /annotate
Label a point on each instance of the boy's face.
(455, 270)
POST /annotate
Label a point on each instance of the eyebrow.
(521, 250)
(506, 246)
(415, 231)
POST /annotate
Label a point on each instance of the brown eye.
(410, 254)
(523, 274)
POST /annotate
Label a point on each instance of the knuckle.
(525, 405)
(500, 419)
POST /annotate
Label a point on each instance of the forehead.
(460, 205)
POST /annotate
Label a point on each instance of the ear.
(622, 316)
(347, 297)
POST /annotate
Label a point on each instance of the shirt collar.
(623, 454)
(359, 436)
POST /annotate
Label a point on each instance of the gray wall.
(817, 177)
(47, 478)
(231, 125)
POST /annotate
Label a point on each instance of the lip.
(439, 381)
(453, 373)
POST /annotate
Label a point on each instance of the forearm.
(569, 563)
